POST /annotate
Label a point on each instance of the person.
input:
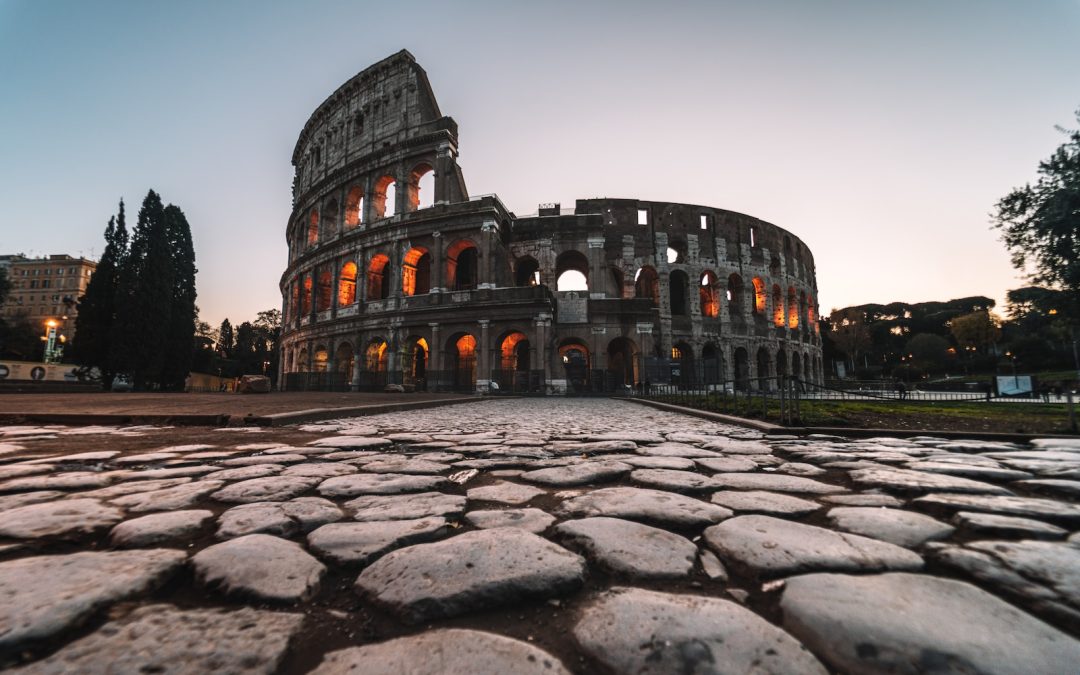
(901, 389)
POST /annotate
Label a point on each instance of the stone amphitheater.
(397, 276)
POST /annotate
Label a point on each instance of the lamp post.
(1012, 362)
(53, 351)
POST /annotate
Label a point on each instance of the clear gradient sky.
(881, 133)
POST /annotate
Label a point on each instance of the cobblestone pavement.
(546, 536)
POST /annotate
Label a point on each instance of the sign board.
(1014, 385)
(27, 370)
(573, 307)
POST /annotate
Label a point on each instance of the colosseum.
(398, 276)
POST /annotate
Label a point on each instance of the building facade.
(397, 275)
(46, 289)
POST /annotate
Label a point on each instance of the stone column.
(401, 193)
(335, 279)
(444, 162)
(358, 356)
(397, 270)
(486, 273)
(438, 264)
(597, 282)
(483, 357)
(542, 322)
(434, 364)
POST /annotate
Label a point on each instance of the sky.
(880, 133)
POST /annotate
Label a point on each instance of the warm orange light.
(51, 323)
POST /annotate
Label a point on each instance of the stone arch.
(329, 220)
(796, 365)
(384, 198)
(526, 271)
(777, 305)
(811, 312)
(792, 308)
(375, 355)
(760, 295)
(576, 361)
(416, 271)
(676, 251)
(647, 284)
(572, 271)
(678, 284)
(742, 369)
(682, 354)
(378, 277)
(421, 187)
(804, 312)
(462, 265)
(343, 360)
(414, 362)
(712, 364)
(622, 361)
(709, 295)
(735, 293)
(763, 370)
(354, 207)
(461, 361)
(307, 290)
(313, 228)
(321, 362)
(301, 362)
(781, 363)
(514, 351)
(347, 284)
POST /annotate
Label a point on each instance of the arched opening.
(354, 207)
(343, 361)
(294, 306)
(526, 272)
(326, 290)
(384, 200)
(735, 292)
(462, 265)
(682, 364)
(777, 305)
(676, 252)
(375, 356)
(305, 295)
(796, 365)
(709, 294)
(514, 352)
(416, 272)
(322, 359)
(329, 225)
(647, 284)
(347, 284)
(760, 296)
(301, 363)
(622, 363)
(313, 228)
(378, 277)
(781, 363)
(763, 370)
(414, 363)
(572, 271)
(615, 283)
(421, 187)
(807, 366)
(677, 284)
(712, 368)
(792, 308)
(462, 353)
(742, 369)
(574, 356)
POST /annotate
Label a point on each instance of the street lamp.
(53, 351)
(1012, 362)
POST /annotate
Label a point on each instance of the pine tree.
(225, 339)
(145, 298)
(181, 328)
(97, 307)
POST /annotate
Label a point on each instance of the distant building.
(46, 288)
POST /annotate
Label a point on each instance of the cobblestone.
(703, 546)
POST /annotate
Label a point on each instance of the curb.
(716, 417)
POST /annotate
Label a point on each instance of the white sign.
(1013, 385)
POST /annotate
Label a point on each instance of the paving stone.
(1046, 575)
(198, 641)
(272, 489)
(1055, 487)
(530, 520)
(320, 470)
(43, 596)
(630, 549)
(20, 470)
(247, 472)
(668, 479)
(23, 498)
(261, 567)
(449, 650)
(352, 442)
(903, 528)
(772, 547)
(145, 458)
(159, 528)
(72, 480)
(631, 630)
(379, 484)
(291, 458)
(913, 623)
(408, 438)
(679, 463)
(405, 507)
(58, 518)
(651, 506)
(712, 566)
(79, 457)
(669, 449)
(131, 487)
(727, 464)
(976, 471)
(442, 457)
(906, 480)
(1007, 526)
(729, 446)
(354, 454)
(282, 519)
(578, 474)
(863, 499)
(174, 472)
(168, 499)
(774, 483)
(476, 570)
(635, 436)
(362, 543)
(1034, 507)
(800, 469)
(405, 465)
(769, 503)
(505, 493)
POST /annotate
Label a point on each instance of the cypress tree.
(180, 339)
(225, 339)
(97, 307)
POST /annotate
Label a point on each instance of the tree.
(226, 341)
(976, 330)
(928, 351)
(180, 336)
(97, 306)
(1040, 224)
(849, 333)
